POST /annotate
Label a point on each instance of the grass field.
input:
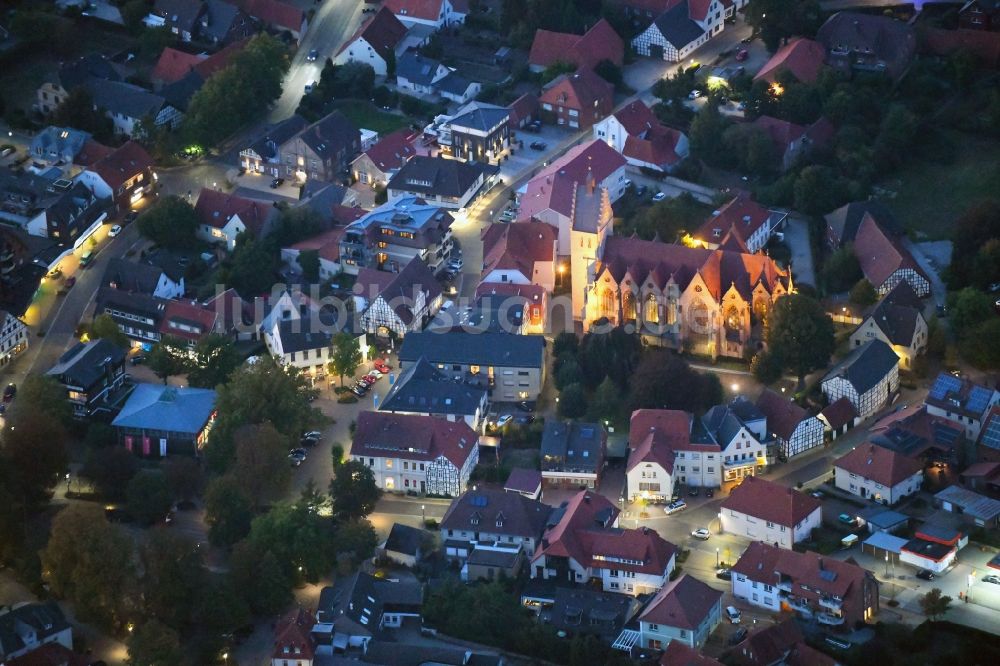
(931, 196)
(363, 114)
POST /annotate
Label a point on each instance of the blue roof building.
(160, 420)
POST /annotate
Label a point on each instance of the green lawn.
(363, 114)
(931, 196)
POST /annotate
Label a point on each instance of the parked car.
(503, 420)
(130, 218)
(659, 196)
(846, 519)
(674, 507)
(10, 392)
(538, 145)
(358, 390)
(310, 87)
(724, 574)
(86, 258)
(695, 94)
(277, 182)
(640, 190)
(456, 264)
(709, 492)
(114, 230)
(733, 613)
(738, 636)
(693, 491)
(992, 579)
(742, 55)
(298, 453)
(701, 533)
(138, 359)
(313, 55)
(524, 407)
(926, 574)
(381, 366)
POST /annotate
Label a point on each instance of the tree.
(133, 12)
(171, 222)
(706, 133)
(228, 511)
(972, 232)
(565, 343)
(221, 608)
(841, 270)
(346, 355)
(184, 476)
(969, 308)
(34, 445)
(155, 644)
(606, 404)
(261, 469)
(357, 538)
(572, 401)
(110, 469)
(149, 497)
(104, 327)
(168, 358)
(309, 263)
(260, 578)
(612, 354)
(353, 490)
(569, 373)
(666, 381)
(610, 72)
(980, 347)
(296, 224)
(173, 575)
(337, 456)
(301, 540)
(813, 192)
(765, 367)
(934, 604)
(863, 294)
(44, 395)
(77, 110)
(215, 359)
(251, 267)
(800, 334)
(89, 561)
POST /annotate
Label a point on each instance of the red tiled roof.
(781, 132)
(770, 501)
(600, 42)
(742, 215)
(698, 9)
(879, 464)
(122, 164)
(344, 215)
(762, 562)
(658, 146)
(582, 89)
(382, 31)
(173, 65)
(984, 44)
(215, 209)
(986, 470)
(231, 307)
(92, 153)
(293, 632)
(783, 415)
(220, 59)
(429, 10)
(679, 654)
(779, 643)
(555, 187)
(802, 57)
(327, 244)
(654, 435)
(518, 246)
(839, 412)
(636, 117)
(49, 654)
(880, 255)
(275, 13)
(190, 321)
(683, 603)
(393, 150)
(530, 292)
(523, 107)
(414, 437)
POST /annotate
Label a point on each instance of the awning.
(885, 541)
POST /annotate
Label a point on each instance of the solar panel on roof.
(944, 385)
(979, 399)
(828, 575)
(991, 436)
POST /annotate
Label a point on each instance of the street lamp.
(716, 558)
(886, 564)
(423, 517)
(735, 387)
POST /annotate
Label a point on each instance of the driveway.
(797, 240)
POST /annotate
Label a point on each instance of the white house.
(961, 400)
(876, 473)
(685, 610)
(586, 546)
(739, 429)
(374, 43)
(644, 142)
(423, 389)
(27, 627)
(223, 217)
(868, 377)
(789, 425)
(685, 26)
(13, 337)
(898, 321)
(662, 455)
(435, 13)
(417, 75)
(492, 515)
(143, 278)
(397, 303)
(770, 512)
(423, 454)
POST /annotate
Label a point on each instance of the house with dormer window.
(491, 515)
(293, 640)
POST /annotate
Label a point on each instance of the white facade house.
(435, 13)
(789, 425)
(868, 377)
(739, 429)
(879, 474)
(13, 337)
(766, 511)
(685, 610)
(680, 30)
(662, 455)
(29, 626)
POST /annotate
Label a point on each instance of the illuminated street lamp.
(423, 516)
(716, 558)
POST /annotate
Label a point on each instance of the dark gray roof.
(131, 276)
(45, 619)
(516, 514)
(482, 118)
(167, 262)
(866, 366)
(602, 613)
(676, 26)
(422, 388)
(439, 176)
(86, 362)
(124, 98)
(490, 349)
(218, 19)
(454, 83)
(85, 68)
(898, 322)
(416, 68)
(296, 336)
(845, 220)
(131, 302)
(722, 424)
(405, 539)
(182, 14)
(399, 292)
(369, 597)
(571, 445)
(179, 93)
(745, 410)
(267, 145)
(492, 557)
(332, 134)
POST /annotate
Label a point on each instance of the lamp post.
(423, 517)
(886, 564)
(716, 558)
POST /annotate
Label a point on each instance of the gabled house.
(789, 141)
(585, 545)
(279, 16)
(379, 163)
(868, 377)
(397, 303)
(685, 611)
(141, 278)
(435, 13)
(128, 106)
(172, 66)
(159, 420)
(573, 454)
(515, 308)
(27, 629)
(766, 511)
(405, 545)
(293, 640)
(838, 417)
(681, 28)
(961, 400)
(577, 100)
(442, 182)
(523, 110)
(323, 150)
(679, 654)
(374, 43)
(935, 441)
(581, 611)
(418, 75)
(189, 321)
(92, 373)
(842, 224)
(477, 132)
(738, 428)
(520, 253)
(138, 315)
(304, 338)
(834, 592)
(264, 156)
(980, 15)
(750, 222)
(988, 444)
(597, 44)
(396, 232)
(370, 605)
(511, 366)
(74, 74)
(868, 43)
(423, 389)
(177, 76)
(779, 644)
(223, 23)
(65, 211)
(415, 453)
(326, 245)
(801, 59)
(524, 481)
(124, 177)
(879, 474)
(898, 321)
(180, 17)
(789, 425)
(57, 145)
(977, 509)
(13, 337)
(490, 515)
(662, 455)
(636, 133)
(223, 217)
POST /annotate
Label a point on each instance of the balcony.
(785, 586)
(831, 603)
(800, 606)
(830, 620)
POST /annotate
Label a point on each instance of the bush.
(348, 399)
